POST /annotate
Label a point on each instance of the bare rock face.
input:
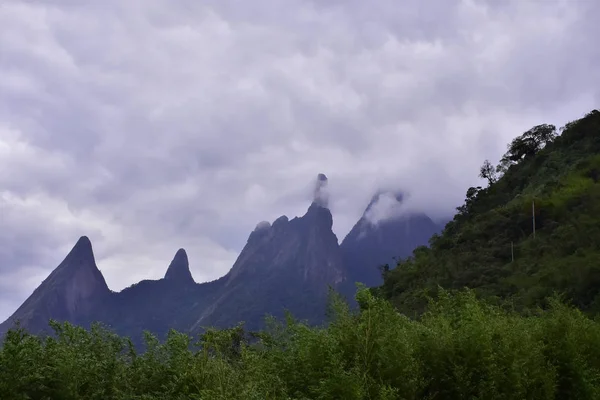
(80, 278)
(70, 293)
(179, 269)
(381, 235)
(285, 265)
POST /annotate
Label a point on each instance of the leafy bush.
(461, 348)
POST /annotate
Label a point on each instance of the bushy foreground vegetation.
(461, 348)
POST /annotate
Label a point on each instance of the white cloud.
(387, 206)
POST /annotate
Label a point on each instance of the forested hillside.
(534, 230)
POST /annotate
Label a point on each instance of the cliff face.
(179, 269)
(72, 292)
(383, 233)
(286, 265)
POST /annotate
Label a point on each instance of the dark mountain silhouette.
(72, 292)
(179, 269)
(286, 265)
(372, 243)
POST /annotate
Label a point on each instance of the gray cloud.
(320, 191)
(152, 125)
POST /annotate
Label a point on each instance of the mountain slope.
(288, 265)
(72, 292)
(159, 305)
(554, 180)
(284, 266)
(372, 242)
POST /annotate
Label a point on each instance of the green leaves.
(490, 247)
(461, 348)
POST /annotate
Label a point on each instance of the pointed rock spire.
(319, 215)
(81, 255)
(71, 292)
(320, 193)
(318, 210)
(80, 265)
(179, 269)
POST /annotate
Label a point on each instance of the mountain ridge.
(287, 264)
(372, 244)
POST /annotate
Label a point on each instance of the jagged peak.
(77, 280)
(179, 268)
(280, 221)
(261, 230)
(80, 255)
(319, 213)
(398, 195)
(320, 192)
(385, 205)
(263, 225)
(83, 247)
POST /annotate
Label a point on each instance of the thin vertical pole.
(512, 251)
(533, 216)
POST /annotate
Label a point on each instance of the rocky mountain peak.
(262, 229)
(70, 292)
(320, 192)
(386, 230)
(179, 269)
(319, 215)
(80, 256)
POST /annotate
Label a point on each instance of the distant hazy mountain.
(375, 241)
(288, 264)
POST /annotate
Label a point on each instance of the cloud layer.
(152, 125)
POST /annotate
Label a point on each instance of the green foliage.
(549, 177)
(461, 348)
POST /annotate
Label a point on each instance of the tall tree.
(488, 171)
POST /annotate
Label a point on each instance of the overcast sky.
(150, 125)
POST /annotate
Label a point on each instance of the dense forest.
(504, 304)
(461, 348)
(533, 231)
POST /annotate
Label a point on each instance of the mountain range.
(285, 265)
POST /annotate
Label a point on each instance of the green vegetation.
(461, 348)
(510, 336)
(552, 177)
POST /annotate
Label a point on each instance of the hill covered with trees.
(533, 231)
